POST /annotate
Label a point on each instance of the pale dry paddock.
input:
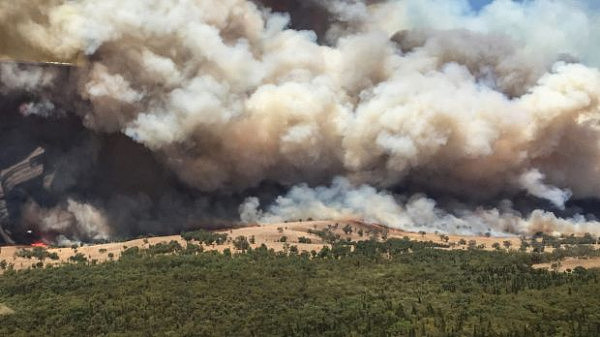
(269, 234)
(4, 310)
(570, 263)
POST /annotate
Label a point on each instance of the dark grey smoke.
(124, 187)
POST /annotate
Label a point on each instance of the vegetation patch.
(205, 237)
(396, 287)
(37, 252)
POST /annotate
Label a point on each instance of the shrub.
(241, 243)
(164, 248)
(347, 229)
(37, 252)
(78, 258)
(192, 249)
(304, 239)
(326, 235)
(204, 236)
(130, 252)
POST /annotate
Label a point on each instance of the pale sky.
(478, 4)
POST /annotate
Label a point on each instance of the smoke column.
(417, 114)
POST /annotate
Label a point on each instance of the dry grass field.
(570, 263)
(270, 235)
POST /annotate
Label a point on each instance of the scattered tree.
(241, 243)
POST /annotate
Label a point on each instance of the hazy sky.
(478, 4)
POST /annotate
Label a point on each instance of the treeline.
(37, 253)
(557, 241)
(396, 287)
(205, 237)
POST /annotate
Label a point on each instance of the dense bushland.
(367, 288)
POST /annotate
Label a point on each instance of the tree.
(304, 239)
(588, 239)
(241, 243)
(524, 245)
(78, 258)
(325, 252)
(192, 249)
(204, 236)
(347, 229)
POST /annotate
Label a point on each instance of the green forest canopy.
(368, 288)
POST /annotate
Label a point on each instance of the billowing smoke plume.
(430, 114)
(343, 201)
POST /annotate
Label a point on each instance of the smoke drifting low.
(414, 114)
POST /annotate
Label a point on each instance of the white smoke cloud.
(418, 92)
(82, 222)
(342, 201)
(532, 183)
(13, 77)
(543, 29)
